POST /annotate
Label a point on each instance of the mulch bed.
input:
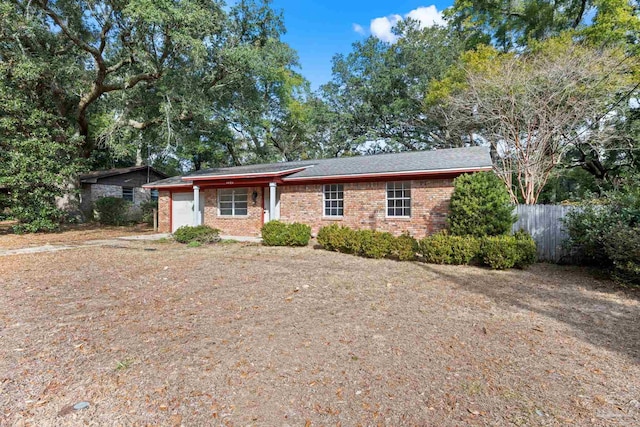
(234, 334)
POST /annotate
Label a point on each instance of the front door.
(267, 200)
(182, 210)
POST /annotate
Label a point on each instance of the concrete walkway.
(108, 242)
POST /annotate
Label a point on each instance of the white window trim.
(324, 200)
(233, 203)
(386, 201)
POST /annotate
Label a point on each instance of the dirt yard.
(70, 234)
(159, 334)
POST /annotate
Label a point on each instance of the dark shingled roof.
(410, 161)
(407, 162)
(93, 175)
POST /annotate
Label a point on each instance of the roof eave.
(382, 175)
(243, 175)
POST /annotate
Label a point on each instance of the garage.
(182, 210)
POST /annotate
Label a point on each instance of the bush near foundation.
(442, 248)
(277, 233)
(367, 243)
(480, 206)
(112, 210)
(496, 252)
(200, 234)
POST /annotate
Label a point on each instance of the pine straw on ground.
(248, 335)
(70, 234)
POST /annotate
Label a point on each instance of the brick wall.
(164, 205)
(365, 207)
(234, 226)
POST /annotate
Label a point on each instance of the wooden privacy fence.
(544, 223)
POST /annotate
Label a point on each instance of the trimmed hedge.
(200, 234)
(112, 210)
(276, 233)
(496, 252)
(443, 248)
(367, 243)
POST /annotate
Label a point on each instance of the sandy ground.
(71, 234)
(160, 334)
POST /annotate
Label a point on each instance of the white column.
(272, 200)
(196, 205)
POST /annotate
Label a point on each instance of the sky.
(319, 29)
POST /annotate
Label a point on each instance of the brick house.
(125, 183)
(399, 192)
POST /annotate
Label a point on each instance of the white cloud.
(358, 29)
(381, 27)
(427, 16)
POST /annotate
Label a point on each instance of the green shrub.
(36, 225)
(147, 211)
(502, 252)
(442, 248)
(404, 247)
(499, 252)
(372, 244)
(527, 250)
(200, 233)
(336, 238)
(622, 247)
(112, 210)
(480, 206)
(276, 233)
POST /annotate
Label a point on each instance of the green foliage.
(147, 208)
(480, 206)
(527, 249)
(367, 243)
(377, 91)
(603, 231)
(502, 252)
(371, 244)
(38, 151)
(112, 210)
(442, 248)
(404, 247)
(194, 244)
(499, 252)
(622, 246)
(335, 237)
(277, 233)
(201, 234)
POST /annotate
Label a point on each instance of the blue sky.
(319, 29)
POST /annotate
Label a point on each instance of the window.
(399, 199)
(127, 194)
(232, 202)
(334, 200)
(154, 195)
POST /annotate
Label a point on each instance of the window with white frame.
(399, 199)
(232, 202)
(127, 194)
(333, 200)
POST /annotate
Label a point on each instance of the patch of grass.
(163, 240)
(194, 244)
(121, 365)
(228, 241)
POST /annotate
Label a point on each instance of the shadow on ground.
(600, 312)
